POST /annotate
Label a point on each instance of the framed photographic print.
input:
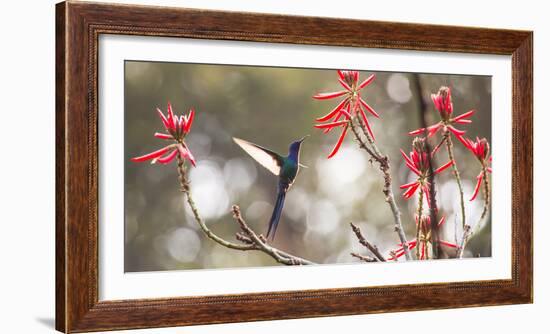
(221, 166)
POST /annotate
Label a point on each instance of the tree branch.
(363, 241)
(364, 258)
(422, 108)
(384, 165)
(262, 245)
(250, 240)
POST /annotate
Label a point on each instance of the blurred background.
(272, 107)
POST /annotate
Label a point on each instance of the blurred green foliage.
(272, 107)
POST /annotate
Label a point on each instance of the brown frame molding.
(78, 26)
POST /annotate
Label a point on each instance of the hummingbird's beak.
(303, 138)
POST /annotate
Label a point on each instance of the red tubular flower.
(399, 252)
(351, 104)
(444, 105)
(177, 129)
(418, 162)
(425, 228)
(480, 148)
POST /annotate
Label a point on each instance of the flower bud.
(351, 77)
(443, 102)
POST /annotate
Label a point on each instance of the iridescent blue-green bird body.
(285, 167)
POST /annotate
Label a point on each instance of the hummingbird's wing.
(267, 158)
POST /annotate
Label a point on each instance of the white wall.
(27, 164)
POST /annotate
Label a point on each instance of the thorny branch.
(248, 238)
(372, 248)
(384, 165)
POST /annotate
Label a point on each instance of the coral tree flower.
(444, 105)
(351, 104)
(177, 129)
(480, 148)
(419, 163)
(424, 224)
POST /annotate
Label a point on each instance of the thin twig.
(456, 173)
(419, 209)
(433, 209)
(436, 148)
(364, 258)
(363, 241)
(466, 234)
(486, 194)
(377, 153)
(243, 238)
(250, 240)
(279, 255)
(384, 165)
(469, 230)
(362, 143)
(185, 188)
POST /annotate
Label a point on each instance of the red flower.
(397, 253)
(480, 148)
(444, 105)
(418, 162)
(177, 128)
(425, 226)
(351, 104)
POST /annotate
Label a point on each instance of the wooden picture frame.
(78, 27)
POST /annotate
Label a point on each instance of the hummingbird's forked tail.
(277, 210)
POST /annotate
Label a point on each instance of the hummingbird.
(286, 168)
